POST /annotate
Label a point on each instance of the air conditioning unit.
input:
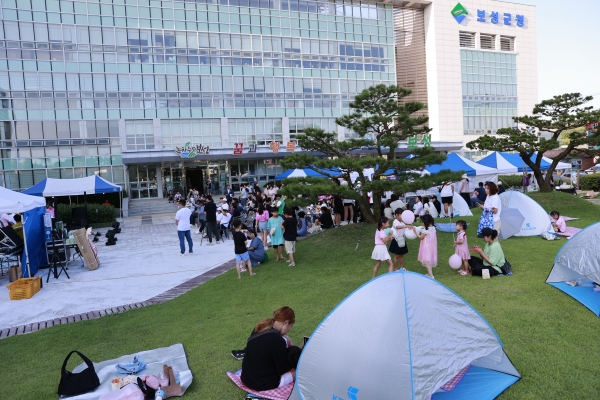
(507, 43)
(487, 42)
(467, 39)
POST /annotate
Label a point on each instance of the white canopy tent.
(14, 202)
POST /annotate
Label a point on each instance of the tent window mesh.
(467, 39)
(507, 43)
(488, 42)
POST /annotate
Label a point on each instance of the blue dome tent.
(577, 262)
(403, 336)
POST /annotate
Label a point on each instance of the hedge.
(105, 214)
(589, 182)
(509, 181)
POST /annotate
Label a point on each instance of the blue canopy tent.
(51, 187)
(33, 209)
(298, 173)
(455, 163)
(511, 163)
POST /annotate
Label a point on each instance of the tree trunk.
(365, 208)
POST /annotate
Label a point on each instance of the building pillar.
(285, 129)
(224, 132)
(341, 133)
(159, 180)
(157, 134)
(122, 134)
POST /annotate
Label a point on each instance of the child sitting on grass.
(241, 252)
(558, 222)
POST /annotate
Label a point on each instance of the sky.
(568, 39)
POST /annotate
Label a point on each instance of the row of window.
(134, 85)
(256, 60)
(24, 179)
(25, 130)
(348, 8)
(476, 125)
(80, 37)
(84, 38)
(470, 57)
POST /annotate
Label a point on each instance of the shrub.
(590, 182)
(509, 181)
(104, 214)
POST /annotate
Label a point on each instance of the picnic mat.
(570, 231)
(282, 393)
(154, 359)
(451, 384)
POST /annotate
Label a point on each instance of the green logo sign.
(459, 12)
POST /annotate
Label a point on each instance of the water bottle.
(159, 394)
(176, 375)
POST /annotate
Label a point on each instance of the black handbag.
(80, 382)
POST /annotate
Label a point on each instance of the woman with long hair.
(265, 365)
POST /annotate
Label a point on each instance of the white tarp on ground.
(536, 218)
(399, 336)
(15, 202)
(154, 359)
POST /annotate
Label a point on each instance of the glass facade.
(83, 81)
(489, 88)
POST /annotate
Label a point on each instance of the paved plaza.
(142, 265)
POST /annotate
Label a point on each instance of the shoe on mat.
(238, 354)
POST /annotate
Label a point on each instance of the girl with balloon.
(461, 254)
(398, 246)
(380, 252)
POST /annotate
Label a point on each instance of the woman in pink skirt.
(462, 247)
(428, 247)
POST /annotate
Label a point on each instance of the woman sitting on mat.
(492, 256)
(265, 365)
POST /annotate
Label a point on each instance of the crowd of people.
(255, 219)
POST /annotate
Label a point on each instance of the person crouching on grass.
(241, 252)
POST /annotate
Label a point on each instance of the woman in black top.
(265, 365)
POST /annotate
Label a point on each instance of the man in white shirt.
(396, 203)
(182, 220)
(225, 219)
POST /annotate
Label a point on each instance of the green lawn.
(551, 338)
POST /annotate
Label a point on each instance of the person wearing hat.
(464, 190)
(491, 257)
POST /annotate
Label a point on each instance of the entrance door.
(194, 179)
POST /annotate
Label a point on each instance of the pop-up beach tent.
(403, 336)
(460, 207)
(536, 218)
(577, 262)
(33, 209)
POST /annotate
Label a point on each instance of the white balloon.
(410, 234)
(455, 261)
(408, 217)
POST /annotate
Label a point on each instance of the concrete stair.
(151, 206)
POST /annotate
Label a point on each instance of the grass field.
(551, 339)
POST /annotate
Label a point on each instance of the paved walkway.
(142, 268)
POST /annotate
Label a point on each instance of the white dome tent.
(536, 218)
(403, 336)
(578, 261)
